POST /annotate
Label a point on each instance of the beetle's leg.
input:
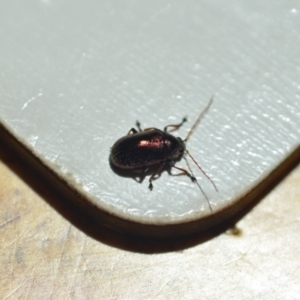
(132, 130)
(175, 126)
(154, 174)
(138, 124)
(141, 173)
(185, 172)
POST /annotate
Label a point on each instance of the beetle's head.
(181, 147)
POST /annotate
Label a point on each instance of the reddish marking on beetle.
(153, 143)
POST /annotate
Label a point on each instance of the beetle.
(141, 149)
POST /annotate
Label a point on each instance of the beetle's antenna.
(198, 119)
(189, 167)
(188, 153)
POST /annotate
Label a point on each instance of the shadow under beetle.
(139, 150)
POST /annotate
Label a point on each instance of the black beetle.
(139, 150)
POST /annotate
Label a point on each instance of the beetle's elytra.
(141, 149)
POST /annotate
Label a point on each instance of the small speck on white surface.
(75, 78)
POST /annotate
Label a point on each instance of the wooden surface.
(51, 251)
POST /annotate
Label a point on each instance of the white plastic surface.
(75, 76)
